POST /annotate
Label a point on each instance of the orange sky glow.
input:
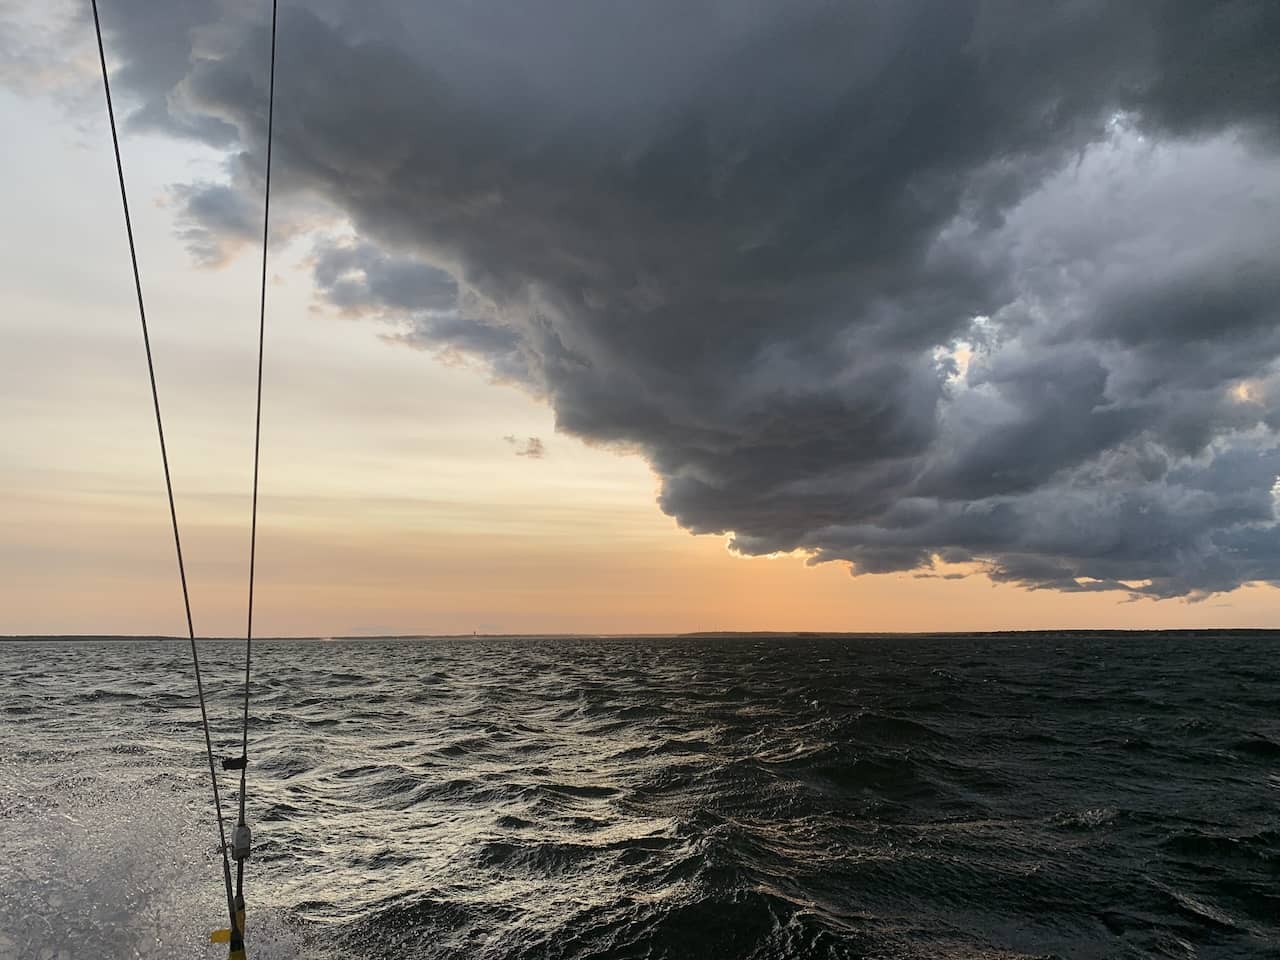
(392, 503)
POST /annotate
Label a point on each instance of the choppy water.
(958, 797)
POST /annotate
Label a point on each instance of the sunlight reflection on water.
(912, 797)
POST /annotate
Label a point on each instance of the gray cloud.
(216, 220)
(879, 282)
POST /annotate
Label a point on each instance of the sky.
(605, 317)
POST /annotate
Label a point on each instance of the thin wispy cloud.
(531, 447)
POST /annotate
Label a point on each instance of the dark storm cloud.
(159, 41)
(359, 276)
(883, 282)
(423, 300)
(216, 219)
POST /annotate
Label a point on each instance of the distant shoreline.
(1067, 633)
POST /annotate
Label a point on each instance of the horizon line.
(691, 634)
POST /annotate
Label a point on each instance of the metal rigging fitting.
(241, 841)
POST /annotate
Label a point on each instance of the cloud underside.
(892, 284)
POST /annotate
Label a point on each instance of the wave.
(950, 798)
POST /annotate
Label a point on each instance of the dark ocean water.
(959, 797)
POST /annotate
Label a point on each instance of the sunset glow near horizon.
(399, 495)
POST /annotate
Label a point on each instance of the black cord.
(164, 459)
(257, 436)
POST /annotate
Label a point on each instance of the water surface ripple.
(939, 797)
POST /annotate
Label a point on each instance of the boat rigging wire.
(239, 847)
(257, 441)
(164, 459)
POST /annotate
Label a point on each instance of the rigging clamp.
(241, 841)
